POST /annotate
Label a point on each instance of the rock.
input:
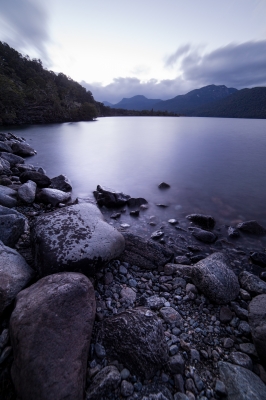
(134, 213)
(52, 196)
(5, 147)
(182, 260)
(8, 197)
(115, 215)
(61, 182)
(145, 253)
(5, 181)
(136, 338)
(204, 221)
(157, 234)
(15, 274)
(105, 382)
(41, 180)
(228, 343)
(240, 312)
(263, 275)
(74, 238)
(252, 283)
(172, 221)
(128, 294)
(164, 185)
(23, 149)
(110, 198)
(127, 388)
(155, 302)
(220, 388)
(257, 321)
(27, 192)
(180, 396)
(183, 270)
(12, 159)
(226, 314)
(241, 384)
(258, 258)
(136, 202)
(177, 364)
(4, 338)
(171, 316)
(4, 167)
(248, 348)
(204, 236)
(215, 279)
(233, 232)
(50, 331)
(12, 226)
(241, 359)
(252, 227)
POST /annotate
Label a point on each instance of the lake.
(214, 166)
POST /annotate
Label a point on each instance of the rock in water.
(136, 338)
(136, 202)
(204, 221)
(164, 185)
(23, 149)
(12, 226)
(252, 227)
(61, 182)
(204, 236)
(50, 330)
(74, 238)
(257, 321)
(215, 279)
(110, 198)
(15, 274)
(53, 196)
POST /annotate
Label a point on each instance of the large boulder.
(8, 197)
(215, 279)
(241, 383)
(23, 149)
(147, 254)
(50, 330)
(15, 274)
(12, 226)
(204, 221)
(74, 238)
(110, 198)
(252, 227)
(257, 322)
(12, 158)
(53, 196)
(27, 192)
(135, 338)
(41, 180)
(61, 182)
(252, 283)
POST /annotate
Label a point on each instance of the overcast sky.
(156, 48)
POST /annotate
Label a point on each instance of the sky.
(159, 49)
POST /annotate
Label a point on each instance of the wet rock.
(204, 236)
(215, 279)
(241, 359)
(252, 227)
(164, 185)
(15, 274)
(204, 221)
(233, 232)
(136, 202)
(241, 384)
(4, 167)
(252, 283)
(171, 316)
(147, 254)
(172, 221)
(12, 159)
(136, 338)
(162, 205)
(53, 196)
(157, 234)
(258, 258)
(8, 197)
(27, 192)
(74, 238)
(12, 226)
(105, 382)
(110, 198)
(22, 149)
(257, 320)
(41, 180)
(50, 330)
(62, 183)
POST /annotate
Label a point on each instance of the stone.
(134, 213)
(257, 321)
(5, 147)
(147, 254)
(23, 149)
(61, 182)
(180, 396)
(179, 269)
(136, 339)
(136, 202)
(241, 384)
(12, 159)
(171, 316)
(164, 185)
(241, 359)
(215, 279)
(258, 258)
(8, 197)
(233, 232)
(252, 283)
(105, 382)
(15, 274)
(228, 343)
(263, 275)
(4, 167)
(220, 388)
(241, 313)
(52, 196)
(204, 221)
(157, 234)
(182, 260)
(252, 227)
(177, 364)
(99, 351)
(155, 302)
(4, 338)
(110, 198)
(125, 373)
(244, 294)
(204, 236)
(127, 388)
(50, 331)
(27, 192)
(248, 348)
(41, 180)
(173, 221)
(128, 294)
(12, 226)
(115, 215)
(226, 314)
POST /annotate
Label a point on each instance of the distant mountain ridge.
(137, 103)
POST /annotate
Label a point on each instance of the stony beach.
(93, 307)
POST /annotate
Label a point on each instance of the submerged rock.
(61, 182)
(204, 221)
(136, 202)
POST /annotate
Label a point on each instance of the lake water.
(214, 166)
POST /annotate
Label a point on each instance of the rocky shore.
(92, 309)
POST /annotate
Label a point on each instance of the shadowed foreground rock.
(136, 338)
(12, 225)
(50, 333)
(257, 321)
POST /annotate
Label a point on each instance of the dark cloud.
(24, 26)
(173, 58)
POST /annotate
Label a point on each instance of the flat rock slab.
(12, 226)
(257, 321)
(15, 274)
(136, 338)
(215, 279)
(241, 383)
(146, 254)
(50, 330)
(75, 238)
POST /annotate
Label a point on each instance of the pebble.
(127, 388)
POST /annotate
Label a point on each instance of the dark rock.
(12, 226)
(171, 316)
(5, 181)
(136, 202)
(240, 312)
(22, 149)
(204, 236)
(50, 331)
(182, 260)
(134, 213)
(252, 283)
(233, 232)
(52, 196)
(248, 348)
(164, 185)
(136, 338)
(258, 258)
(5, 147)
(127, 388)
(252, 227)
(12, 159)
(41, 180)
(104, 383)
(162, 205)
(180, 269)
(115, 215)
(4, 167)
(61, 182)
(8, 197)
(263, 275)
(110, 198)
(257, 321)
(204, 221)
(215, 279)
(25, 167)
(177, 364)
(74, 238)
(157, 234)
(27, 192)
(220, 388)
(241, 359)
(241, 384)
(145, 253)
(228, 343)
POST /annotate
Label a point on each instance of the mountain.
(186, 103)
(107, 104)
(137, 103)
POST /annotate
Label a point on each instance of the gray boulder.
(53, 196)
(61, 182)
(136, 338)
(257, 322)
(204, 221)
(252, 227)
(41, 180)
(8, 197)
(15, 274)
(12, 226)
(23, 149)
(27, 192)
(74, 238)
(12, 159)
(104, 383)
(204, 236)
(50, 331)
(241, 383)
(215, 279)
(252, 283)
(110, 198)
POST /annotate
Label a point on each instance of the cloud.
(24, 26)
(173, 58)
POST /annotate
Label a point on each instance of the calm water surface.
(215, 166)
